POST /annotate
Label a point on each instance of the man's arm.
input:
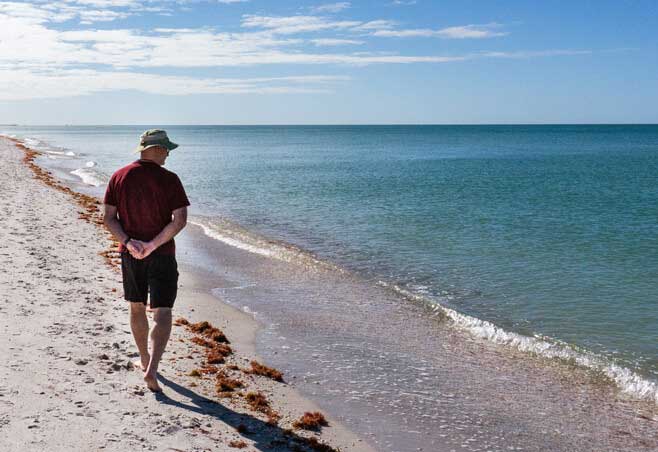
(178, 222)
(112, 223)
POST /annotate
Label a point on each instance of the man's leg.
(159, 337)
(139, 325)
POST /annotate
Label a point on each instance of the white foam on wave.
(31, 142)
(237, 237)
(90, 176)
(52, 153)
(43, 147)
(629, 382)
(233, 239)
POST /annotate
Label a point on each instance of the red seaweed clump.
(260, 369)
(206, 329)
(257, 401)
(227, 384)
(311, 421)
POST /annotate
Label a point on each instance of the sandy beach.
(66, 376)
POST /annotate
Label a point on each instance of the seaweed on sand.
(215, 352)
(214, 358)
(201, 341)
(227, 384)
(209, 370)
(260, 369)
(200, 327)
(317, 446)
(311, 421)
(257, 401)
(206, 329)
(89, 204)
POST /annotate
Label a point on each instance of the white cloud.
(296, 24)
(89, 17)
(535, 54)
(335, 42)
(105, 3)
(375, 25)
(25, 12)
(332, 7)
(24, 84)
(37, 57)
(308, 24)
(86, 11)
(460, 32)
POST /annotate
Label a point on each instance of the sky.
(314, 62)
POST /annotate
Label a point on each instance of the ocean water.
(542, 238)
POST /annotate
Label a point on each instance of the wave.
(49, 151)
(234, 235)
(32, 142)
(628, 382)
(53, 153)
(90, 176)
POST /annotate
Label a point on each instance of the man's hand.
(142, 249)
(135, 248)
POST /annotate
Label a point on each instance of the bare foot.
(152, 383)
(142, 364)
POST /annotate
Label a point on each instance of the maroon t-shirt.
(145, 195)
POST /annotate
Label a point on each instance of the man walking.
(145, 207)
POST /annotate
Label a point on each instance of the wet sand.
(66, 378)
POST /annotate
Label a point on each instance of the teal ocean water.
(544, 238)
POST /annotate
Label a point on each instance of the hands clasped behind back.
(139, 249)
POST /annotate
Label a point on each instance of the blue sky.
(292, 62)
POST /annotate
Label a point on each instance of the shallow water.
(401, 375)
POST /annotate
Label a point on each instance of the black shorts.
(156, 274)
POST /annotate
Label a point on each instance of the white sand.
(61, 310)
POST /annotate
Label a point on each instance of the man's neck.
(142, 159)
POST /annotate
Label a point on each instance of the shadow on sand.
(266, 437)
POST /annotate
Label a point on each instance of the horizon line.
(340, 124)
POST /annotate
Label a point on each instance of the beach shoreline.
(72, 367)
(478, 394)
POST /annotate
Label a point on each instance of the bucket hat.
(155, 137)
